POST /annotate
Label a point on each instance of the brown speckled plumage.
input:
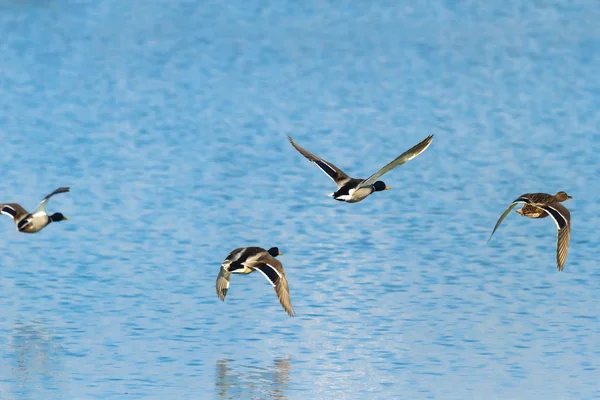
(541, 205)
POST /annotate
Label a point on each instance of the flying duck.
(541, 205)
(36, 221)
(352, 190)
(246, 260)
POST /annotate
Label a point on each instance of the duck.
(353, 190)
(542, 205)
(37, 220)
(245, 260)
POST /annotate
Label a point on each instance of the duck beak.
(65, 218)
(387, 188)
(569, 197)
(280, 253)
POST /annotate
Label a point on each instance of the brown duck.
(541, 205)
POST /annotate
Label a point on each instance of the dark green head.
(274, 251)
(56, 217)
(379, 186)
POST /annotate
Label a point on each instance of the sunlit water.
(168, 119)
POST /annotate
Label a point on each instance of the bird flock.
(350, 190)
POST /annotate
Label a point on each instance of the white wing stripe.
(330, 175)
(8, 210)
(274, 269)
(564, 220)
(265, 275)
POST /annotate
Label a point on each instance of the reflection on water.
(36, 367)
(232, 380)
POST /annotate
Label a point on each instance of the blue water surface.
(168, 120)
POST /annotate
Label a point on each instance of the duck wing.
(223, 283)
(13, 210)
(520, 200)
(336, 174)
(42, 206)
(562, 217)
(401, 159)
(562, 247)
(273, 271)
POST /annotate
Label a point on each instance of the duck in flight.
(246, 260)
(36, 221)
(541, 205)
(352, 190)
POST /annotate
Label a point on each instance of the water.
(168, 119)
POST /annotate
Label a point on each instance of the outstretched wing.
(562, 247)
(562, 217)
(336, 174)
(401, 159)
(520, 200)
(223, 283)
(13, 210)
(42, 206)
(274, 273)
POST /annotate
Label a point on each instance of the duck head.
(562, 196)
(56, 217)
(379, 186)
(274, 251)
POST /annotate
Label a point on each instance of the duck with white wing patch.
(542, 205)
(353, 190)
(246, 260)
(36, 221)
